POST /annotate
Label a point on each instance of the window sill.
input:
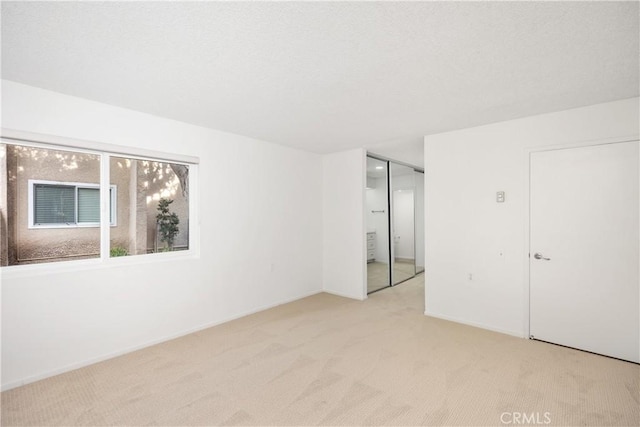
(66, 226)
(62, 267)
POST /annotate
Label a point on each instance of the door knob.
(538, 255)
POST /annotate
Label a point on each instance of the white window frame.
(77, 185)
(106, 151)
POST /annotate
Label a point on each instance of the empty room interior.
(320, 213)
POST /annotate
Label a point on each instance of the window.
(157, 203)
(63, 204)
(51, 203)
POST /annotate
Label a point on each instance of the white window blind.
(88, 205)
(54, 204)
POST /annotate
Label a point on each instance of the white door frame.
(527, 228)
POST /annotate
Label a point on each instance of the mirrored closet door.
(395, 223)
(403, 223)
(377, 216)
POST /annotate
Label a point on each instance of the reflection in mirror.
(403, 223)
(377, 214)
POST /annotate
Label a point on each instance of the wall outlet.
(500, 197)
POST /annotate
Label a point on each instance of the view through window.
(50, 205)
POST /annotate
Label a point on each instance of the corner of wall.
(343, 223)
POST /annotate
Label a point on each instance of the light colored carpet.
(326, 360)
(378, 274)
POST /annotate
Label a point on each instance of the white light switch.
(500, 197)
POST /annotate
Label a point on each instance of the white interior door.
(584, 215)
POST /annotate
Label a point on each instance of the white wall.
(261, 243)
(467, 232)
(344, 228)
(404, 224)
(402, 178)
(420, 220)
(408, 150)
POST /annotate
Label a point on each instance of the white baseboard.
(340, 294)
(93, 360)
(518, 334)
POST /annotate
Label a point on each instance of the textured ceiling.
(332, 75)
